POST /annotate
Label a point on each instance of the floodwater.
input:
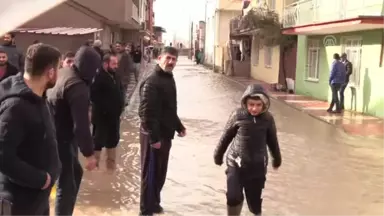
(324, 171)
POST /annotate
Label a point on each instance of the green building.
(325, 27)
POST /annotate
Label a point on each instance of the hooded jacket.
(70, 99)
(28, 147)
(249, 135)
(10, 71)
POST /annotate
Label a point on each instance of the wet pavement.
(353, 123)
(324, 170)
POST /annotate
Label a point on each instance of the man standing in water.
(70, 100)
(159, 121)
(28, 148)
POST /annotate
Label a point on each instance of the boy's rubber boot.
(234, 210)
(97, 156)
(111, 159)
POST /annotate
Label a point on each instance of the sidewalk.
(352, 123)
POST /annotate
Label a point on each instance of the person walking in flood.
(70, 100)
(28, 148)
(107, 96)
(159, 122)
(250, 129)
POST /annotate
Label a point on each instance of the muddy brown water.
(324, 171)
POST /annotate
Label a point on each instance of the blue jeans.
(335, 87)
(68, 184)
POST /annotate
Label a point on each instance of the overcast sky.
(175, 16)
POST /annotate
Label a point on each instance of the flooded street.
(324, 171)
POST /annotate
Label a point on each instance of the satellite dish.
(13, 11)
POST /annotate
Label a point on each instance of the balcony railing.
(306, 12)
(135, 13)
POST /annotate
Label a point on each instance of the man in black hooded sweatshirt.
(70, 99)
(28, 149)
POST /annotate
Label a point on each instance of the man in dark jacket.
(136, 56)
(70, 100)
(349, 70)
(6, 69)
(15, 57)
(28, 149)
(159, 121)
(250, 129)
(107, 96)
(125, 68)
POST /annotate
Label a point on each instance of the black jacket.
(107, 96)
(158, 106)
(70, 99)
(10, 71)
(249, 135)
(136, 56)
(28, 147)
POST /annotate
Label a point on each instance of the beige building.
(265, 61)
(217, 35)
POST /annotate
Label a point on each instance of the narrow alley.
(324, 171)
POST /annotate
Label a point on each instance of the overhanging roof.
(360, 23)
(15, 13)
(58, 31)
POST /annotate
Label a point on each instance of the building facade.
(219, 14)
(120, 22)
(265, 61)
(351, 27)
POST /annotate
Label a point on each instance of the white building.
(210, 8)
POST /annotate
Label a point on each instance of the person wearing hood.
(250, 129)
(15, 57)
(28, 148)
(70, 99)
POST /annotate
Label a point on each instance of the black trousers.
(239, 179)
(106, 133)
(68, 184)
(154, 166)
(342, 89)
(32, 203)
(335, 96)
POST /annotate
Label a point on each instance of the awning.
(360, 23)
(15, 13)
(58, 31)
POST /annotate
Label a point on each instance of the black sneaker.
(144, 214)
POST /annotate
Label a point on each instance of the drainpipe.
(214, 39)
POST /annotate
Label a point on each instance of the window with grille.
(267, 56)
(255, 52)
(352, 47)
(313, 58)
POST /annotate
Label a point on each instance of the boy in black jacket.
(251, 128)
